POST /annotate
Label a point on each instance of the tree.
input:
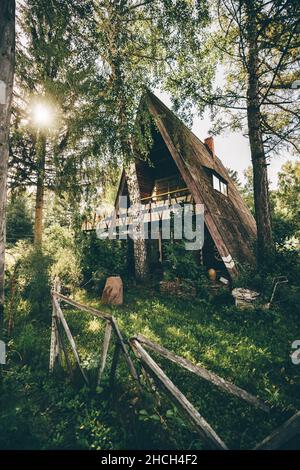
(258, 44)
(7, 54)
(96, 59)
(56, 70)
(287, 199)
(137, 43)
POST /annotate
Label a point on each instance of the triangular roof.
(227, 218)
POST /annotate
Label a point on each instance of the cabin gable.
(179, 163)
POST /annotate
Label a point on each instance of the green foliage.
(59, 244)
(35, 282)
(19, 224)
(286, 202)
(100, 259)
(182, 264)
(284, 230)
(94, 434)
(58, 418)
(286, 262)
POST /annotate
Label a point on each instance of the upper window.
(165, 186)
(220, 185)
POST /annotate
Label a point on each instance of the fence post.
(106, 341)
(54, 345)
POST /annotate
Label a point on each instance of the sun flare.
(42, 115)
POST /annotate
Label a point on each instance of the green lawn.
(250, 348)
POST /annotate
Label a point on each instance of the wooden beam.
(204, 373)
(114, 364)
(107, 336)
(125, 350)
(199, 423)
(69, 336)
(93, 311)
(104, 316)
(62, 346)
(54, 345)
(281, 435)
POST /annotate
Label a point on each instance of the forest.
(133, 342)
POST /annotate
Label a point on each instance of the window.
(216, 183)
(169, 185)
(220, 185)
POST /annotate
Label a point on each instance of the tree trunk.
(139, 244)
(259, 164)
(7, 62)
(40, 189)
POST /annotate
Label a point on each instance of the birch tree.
(7, 62)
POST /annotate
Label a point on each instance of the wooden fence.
(57, 346)
(154, 373)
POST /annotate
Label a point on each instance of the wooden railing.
(153, 373)
(58, 347)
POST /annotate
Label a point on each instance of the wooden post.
(69, 336)
(125, 351)
(114, 364)
(62, 346)
(203, 428)
(54, 345)
(106, 341)
(85, 308)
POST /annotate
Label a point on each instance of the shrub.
(59, 243)
(285, 262)
(19, 219)
(34, 277)
(180, 263)
(100, 259)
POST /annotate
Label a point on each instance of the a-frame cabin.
(182, 165)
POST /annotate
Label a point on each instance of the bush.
(19, 224)
(286, 262)
(35, 283)
(180, 263)
(100, 259)
(60, 245)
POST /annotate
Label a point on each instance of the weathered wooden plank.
(114, 364)
(69, 336)
(199, 423)
(281, 435)
(62, 345)
(54, 346)
(204, 373)
(106, 341)
(93, 311)
(125, 350)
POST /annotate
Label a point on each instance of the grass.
(249, 348)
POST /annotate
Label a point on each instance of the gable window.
(220, 185)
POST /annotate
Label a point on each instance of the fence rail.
(153, 372)
(57, 345)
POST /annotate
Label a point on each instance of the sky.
(232, 147)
